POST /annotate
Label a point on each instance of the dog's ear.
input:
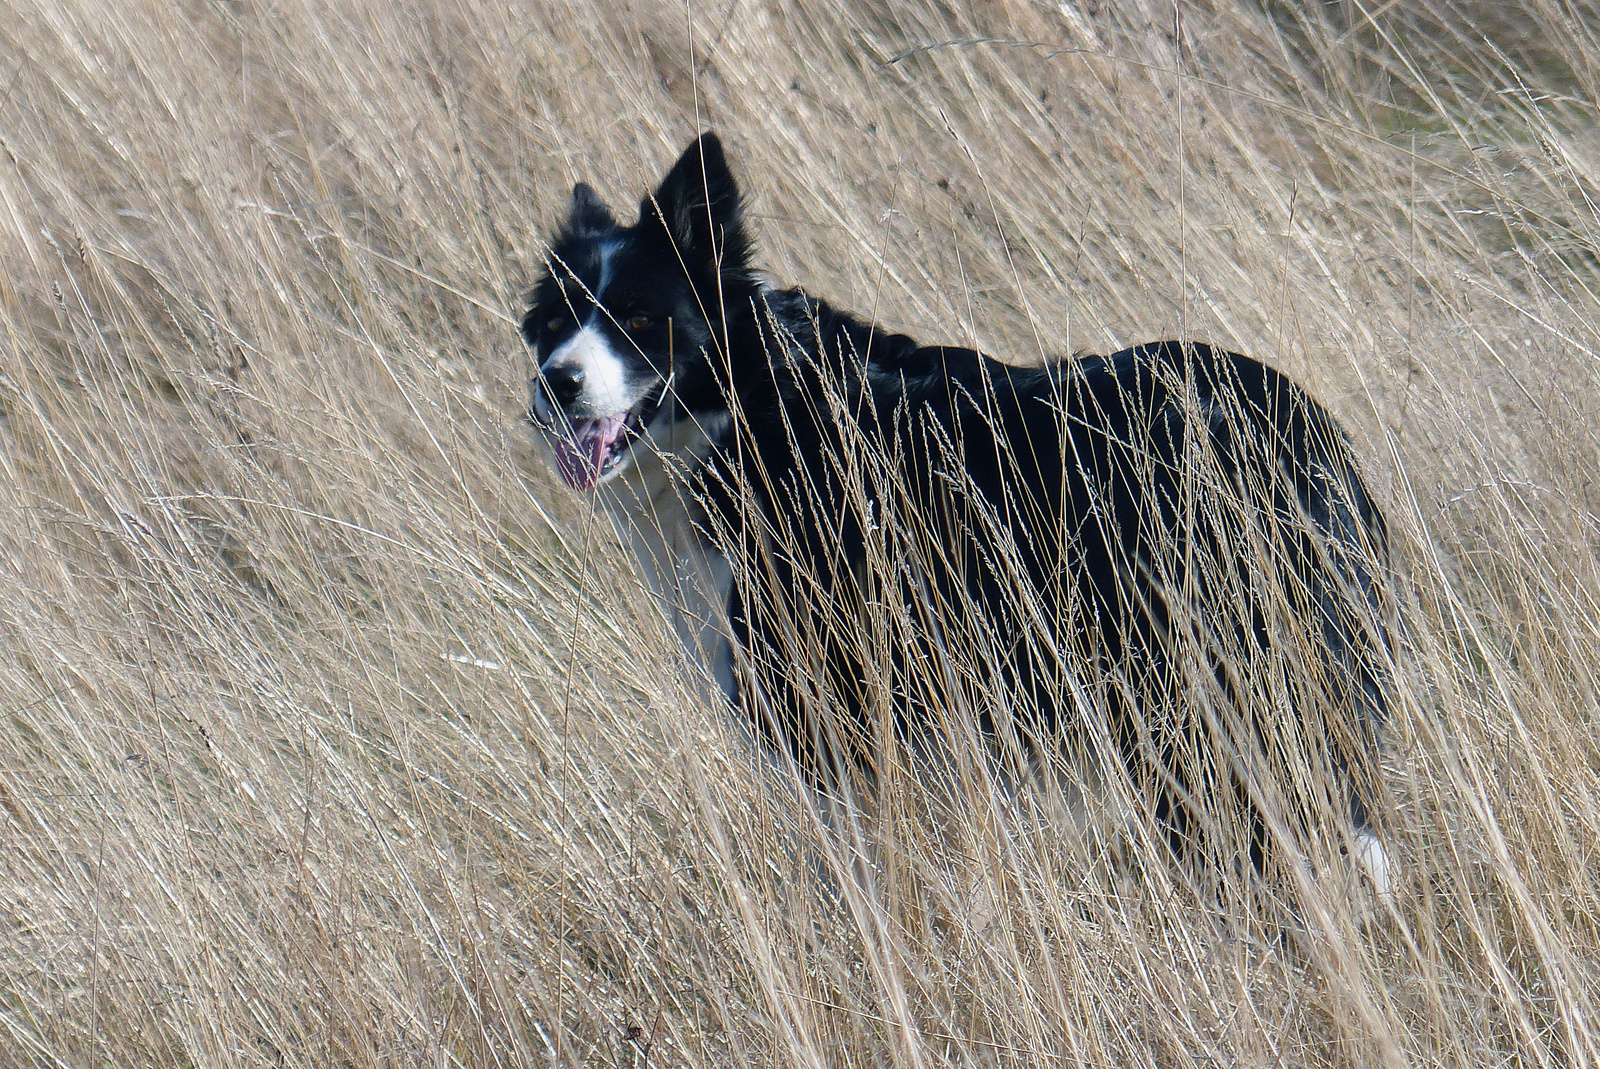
(698, 205)
(589, 213)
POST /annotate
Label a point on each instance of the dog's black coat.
(1103, 510)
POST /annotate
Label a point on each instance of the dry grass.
(336, 735)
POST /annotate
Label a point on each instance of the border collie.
(1165, 555)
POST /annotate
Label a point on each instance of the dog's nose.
(564, 381)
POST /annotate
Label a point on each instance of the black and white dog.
(1168, 549)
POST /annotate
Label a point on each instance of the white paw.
(1374, 861)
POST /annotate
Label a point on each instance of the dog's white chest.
(690, 577)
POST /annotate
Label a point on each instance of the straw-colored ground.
(337, 734)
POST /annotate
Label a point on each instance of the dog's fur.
(854, 533)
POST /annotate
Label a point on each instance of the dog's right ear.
(589, 213)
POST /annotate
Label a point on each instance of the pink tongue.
(580, 458)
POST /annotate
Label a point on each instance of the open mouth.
(592, 449)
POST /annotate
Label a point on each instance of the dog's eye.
(555, 323)
(639, 321)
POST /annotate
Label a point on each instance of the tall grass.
(337, 734)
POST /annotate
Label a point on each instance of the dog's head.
(628, 325)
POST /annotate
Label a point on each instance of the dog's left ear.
(698, 205)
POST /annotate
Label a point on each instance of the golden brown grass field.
(335, 732)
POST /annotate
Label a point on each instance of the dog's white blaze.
(608, 252)
(606, 389)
